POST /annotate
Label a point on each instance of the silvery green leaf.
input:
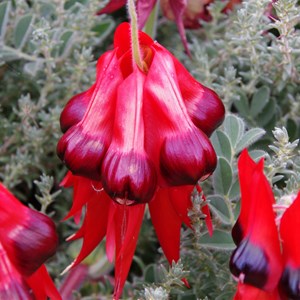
(259, 101)
(222, 144)
(234, 128)
(250, 137)
(4, 12)
(222, 177)
(22, 31)
(220, 239)
(219, 208)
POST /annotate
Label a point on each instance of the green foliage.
(250, 57)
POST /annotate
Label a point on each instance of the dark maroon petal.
(250, 264)
(187, 158)
(83, 146)
(83, 152)
(183, 153)
(127, 172)
(290, 283)
(29, 240)
(237, 233)
(75, 109)
(129, 176)
(203, 105)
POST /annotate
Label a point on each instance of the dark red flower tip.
(186, 158)
(290, 283)
(128, 176)
(250, 264)
(237, 233)
(204, 106)
(30, 241)
(82, 152)
(75, 109)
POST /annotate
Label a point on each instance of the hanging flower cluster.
(138, 135)
(27, 240)
(266, 260)
(186, 13)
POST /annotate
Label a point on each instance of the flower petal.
(183, 152)
(144, 9)
(257, 259)
(75, 109)
(28, 237)
(167, 224)
(203, 105)
(248, 292)
(111, 6)
(128, 221)
(83, 146)
(12, 285)
(246, 168)
(127, 172)
(290, 223)
(42, 285)
(95, 224)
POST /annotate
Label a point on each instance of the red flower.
(27, 240)
(121, 223)
(263, 271)
(138, 135)
(137, 130)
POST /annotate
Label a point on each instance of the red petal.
(84, 190)
(12, 285)
(127, 172)
(246, 167)
(42, 285)
(28, 237)
(128, 222)
(290, 223)
(183, 152)
(167, 224)
(203, 105)
(68, 180)
(248, 292)
(122, 39)
(95, 224)
(75, 109)
(258, 255)
(112, 6)
(83, 146)
(181, 201)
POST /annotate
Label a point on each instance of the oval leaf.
(250, 137)
(222, 144)
(219, 208)
(259, 101)
(4, 12)
(221, 240)
(235, 128)
(222, 177)
(22, 31)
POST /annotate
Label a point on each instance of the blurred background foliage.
(249, 56)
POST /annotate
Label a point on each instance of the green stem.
(136, 52)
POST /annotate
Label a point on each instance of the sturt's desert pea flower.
(27, 239)
(140, 127)
(138, 135)
(266, 261)
(186, 13)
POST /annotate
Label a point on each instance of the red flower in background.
(27, 240)
(186, 13)
(262, 269)
(138, 135)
